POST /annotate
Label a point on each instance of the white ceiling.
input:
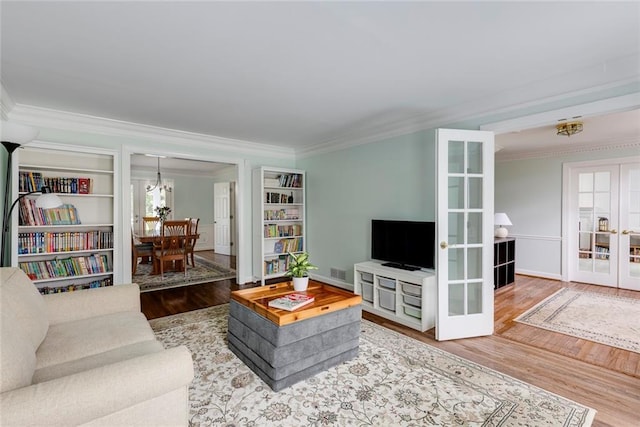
(304, 74)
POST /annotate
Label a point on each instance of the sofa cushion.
(19, 294)
(90, 362)
(78, 339)
(17, 356)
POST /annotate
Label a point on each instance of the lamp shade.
(48, 201)
(17, 133)
(501, 218)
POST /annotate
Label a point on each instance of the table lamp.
(501, 219)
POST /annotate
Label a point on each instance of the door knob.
(626, 232)
(443, 245)
(614, 231)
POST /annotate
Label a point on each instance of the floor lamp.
(13, 136)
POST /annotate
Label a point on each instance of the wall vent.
(338, 274)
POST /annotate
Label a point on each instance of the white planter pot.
(300, 283)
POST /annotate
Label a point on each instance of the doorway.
(603, 210)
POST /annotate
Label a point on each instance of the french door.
(604, 225)
(465, 233)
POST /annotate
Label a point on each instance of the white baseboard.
(540, 274)
(332, 281)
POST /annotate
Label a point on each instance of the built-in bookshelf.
(279, 218)
(72, 246)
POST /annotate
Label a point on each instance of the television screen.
(404, 244)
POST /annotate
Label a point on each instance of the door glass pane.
(456, 192)
(456, 228)
(474, 157)
(456, 299)
(585, 182)
(585, 200)
(601, 252)
(456, 156)
(634, 256)
(474, 297)
(456, 263)
(602, 181)
(474, 260)
(474, 231)
(602, 203)
(475, 193)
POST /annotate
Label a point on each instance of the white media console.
(406, 297)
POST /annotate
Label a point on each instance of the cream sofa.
(85, 358)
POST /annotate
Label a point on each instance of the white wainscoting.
(539, 256)
(206, 240)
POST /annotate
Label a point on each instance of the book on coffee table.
(291, 302)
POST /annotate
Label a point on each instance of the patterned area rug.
(204, 271)
(606, 319)
(394, 381)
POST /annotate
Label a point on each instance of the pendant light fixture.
(158, 183)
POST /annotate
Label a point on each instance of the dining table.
(155, 237)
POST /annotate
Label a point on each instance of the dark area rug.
(204, 271)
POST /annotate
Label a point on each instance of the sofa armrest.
(88, 395)
(86, 303)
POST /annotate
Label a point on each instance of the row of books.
(34, 181)
(276, 265)
(601, 252)
(272, 230)
(107, 281)
(30, 214)
(44, 241)
(68, 267)
(283, 246)
(292, 180)
(281, 214)
(280, 198)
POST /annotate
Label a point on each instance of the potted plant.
(298, 268)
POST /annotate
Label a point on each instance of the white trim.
(628, 143)
(332, 281)
(611, 105)
(535, 237)
(74, 122)
(542, 274)
(6, 102)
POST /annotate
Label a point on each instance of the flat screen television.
(409, 245)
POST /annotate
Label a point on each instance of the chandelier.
(159, 185)
(569, 128)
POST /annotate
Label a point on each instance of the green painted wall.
(346, 189)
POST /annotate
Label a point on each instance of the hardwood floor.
(601, 377)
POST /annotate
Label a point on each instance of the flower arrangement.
(163, 212)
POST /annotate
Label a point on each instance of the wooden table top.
(327, 299)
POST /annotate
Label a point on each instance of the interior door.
(594, 203)
(629, 240)
(465, 233)
(222, 218)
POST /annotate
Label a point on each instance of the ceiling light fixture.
(158, 183)
(569, 128)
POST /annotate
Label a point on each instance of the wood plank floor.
(601, 377)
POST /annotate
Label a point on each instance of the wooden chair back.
(193, 238)
(150, 223)
(172, 244)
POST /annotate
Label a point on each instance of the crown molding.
(74, 122)
(476, 111)
(619, 144)
(6, 103)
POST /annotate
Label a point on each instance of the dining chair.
(139, 250)
(192, 239)
(172, 245)
(150, 223)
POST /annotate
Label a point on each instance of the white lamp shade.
(17, 133)
(48, 201)
(501, 218)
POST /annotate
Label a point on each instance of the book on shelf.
(291, 302)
